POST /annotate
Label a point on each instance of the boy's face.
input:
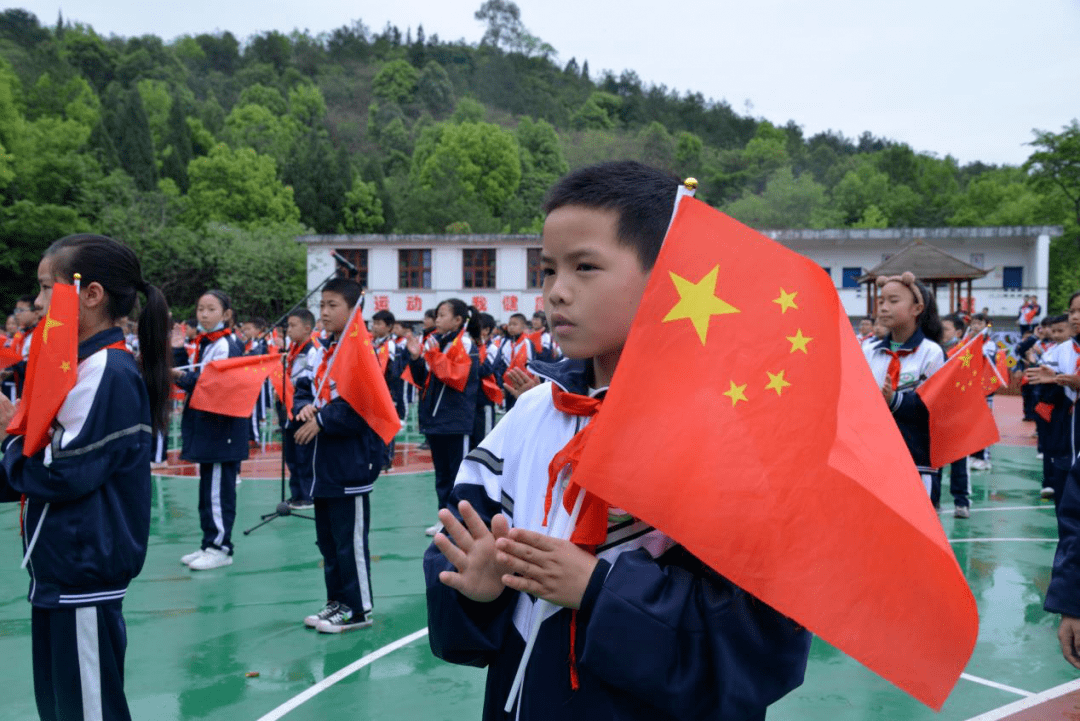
(592, 283)
(1059, 332)
(515, 327)
(248, 329)
(537, 324)
(24, 315)
(948, 331)
(977, 325)
(191, 331)
(379, 328)
(399, 330)
(298, 331)
(333, 311)
(866, 326)
(12, 326)
(429, 322)
(880, 329)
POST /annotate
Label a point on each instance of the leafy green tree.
(1055, 165)
(468, 110)
(129, 131)
(259, 128)
(788, 202)
(238, 187)
(319, 177)
(268, 97)
(261, 267)
(590, 116)
(396, 82)
(505, 29)
(435, 90)
(307, 106)
(363, 211)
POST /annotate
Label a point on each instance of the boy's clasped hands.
(488, 561)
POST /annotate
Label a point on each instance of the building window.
(478, 268)
(850, 278)
(828, 271)
(1012, 277)
(356, 256)
(414, 268)
(534, 273)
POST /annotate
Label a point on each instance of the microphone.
(353, 270)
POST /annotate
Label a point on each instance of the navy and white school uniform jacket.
(88, 492)
(920, 358)
(346, 455)
(1063, 594)
(659, 635)
(444, 410)
(211, 437)
(1063, 358)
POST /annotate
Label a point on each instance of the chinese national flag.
(10, 355)
(406, 375)
(960, 420)
(360, 380)
(231, 386)
(283, 387)
(451, 367)
(51, 371)
(792, 480)
(488, 385)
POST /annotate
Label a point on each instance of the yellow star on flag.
(49, 323)
(966, 359)
(786, 300)
(736, 393)
(698, 302)
(65, 366)
(776, 382)
(799, 341)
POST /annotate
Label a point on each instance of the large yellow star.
(49, 323)
(966, 359)
(786, 300)
(65, 366)
(776, 382)
(736, 393)
(698, 302)
(799, 341)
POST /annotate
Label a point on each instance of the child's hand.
(888, 392)
(7, 412)
(176, 337)
(1040, 374)
(306, 433)
(1069, 381)
(412, 345)
(306, 413)
(177, 373)
(479, 575)
(517, 381)
(552, 569)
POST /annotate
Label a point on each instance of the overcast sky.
(967, 78)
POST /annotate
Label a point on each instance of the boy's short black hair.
(350, 290)
(192, 322)
(956, 320)
(487, 321)
(304, 315)
(1054, 320)
(643, 197)
(385, 316)
(520, 315)
(980, 316)
(28, 299)
(430, 313)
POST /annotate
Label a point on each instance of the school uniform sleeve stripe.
(215, 504)
(360, 555)
(97, 445)
(487, 459)
(86, 639)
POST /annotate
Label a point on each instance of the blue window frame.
(850, 278)
(1012, 277)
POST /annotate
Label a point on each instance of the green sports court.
(229, 644)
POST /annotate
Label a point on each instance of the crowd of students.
(641, 628)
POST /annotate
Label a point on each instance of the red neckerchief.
(210, 338)
(894, 364)
(324, 387)
(1076, 350)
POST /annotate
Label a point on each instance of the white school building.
(500, 274)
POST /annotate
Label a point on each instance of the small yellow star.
(786, 300)
(65, 366)
(736, 393)
(698, 302)
(776, 382)
(49, 323)
(799, 341)
(966, 359)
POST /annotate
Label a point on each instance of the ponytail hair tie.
(142, 286)
(906, 278)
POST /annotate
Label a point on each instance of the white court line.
(995, 684)
(1001, 540)
(343, 673)
(1029, 702)
(1048, 507)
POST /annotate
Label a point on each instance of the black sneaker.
(343, 619)
(299, 504)
(328, 610)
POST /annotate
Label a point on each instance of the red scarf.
(324, 387)
(894, 364)
(210, 338)
(1076, 349)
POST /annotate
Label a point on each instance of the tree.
(396, 82)
(238, 186)
(1055, 165)
(506, 31)
(259, 128)
(435, 91)
(129, 130)
(363, 211)
(788, 202)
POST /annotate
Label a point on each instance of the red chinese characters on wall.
(480, 303)
(382, 302)
(539, 302)
(414, 303)
(510, 303)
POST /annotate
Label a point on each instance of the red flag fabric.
(406, 375)
(1044, 410)
(488, 384)
(360, 380)
(960, 421)
(51, 370)
(231, 386)
(797, 485)
(10, 355)
(451, 367)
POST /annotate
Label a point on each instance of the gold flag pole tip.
(690, 183)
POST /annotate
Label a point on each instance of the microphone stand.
(283, 509)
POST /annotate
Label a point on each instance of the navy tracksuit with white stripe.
(87, 522)
(218, 444)
(346, 458)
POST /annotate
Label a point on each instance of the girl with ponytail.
(87, 494)
(447, 368)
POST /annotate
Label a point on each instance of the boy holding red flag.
(301, 361)
(346, 457)
(650, 632)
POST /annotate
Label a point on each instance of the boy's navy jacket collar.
(569, 374)
(96, 342)
(913, 342)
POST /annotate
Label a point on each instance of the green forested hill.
(210, 154)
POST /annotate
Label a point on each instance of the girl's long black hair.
(100, 259)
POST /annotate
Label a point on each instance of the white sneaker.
(343, 619)
(327, 611)
(187, 559)
(979, 465)
(1038, 456)
(211, 558)
(432, 530)
(1047, 493)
